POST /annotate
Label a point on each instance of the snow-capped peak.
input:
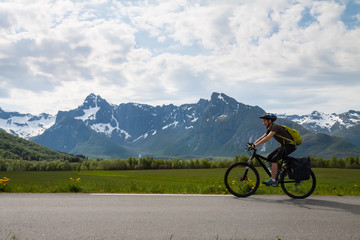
(321, 119)
(90, 110)
(90, 107)
(324, 122)
(25, 125)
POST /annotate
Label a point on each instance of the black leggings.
(281, 152)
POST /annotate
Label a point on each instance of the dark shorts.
(281, 152)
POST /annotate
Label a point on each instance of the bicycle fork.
(243, 177)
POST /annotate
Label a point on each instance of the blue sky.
(284, 56)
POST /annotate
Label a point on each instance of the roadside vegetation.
(335, 176)
(330, 181)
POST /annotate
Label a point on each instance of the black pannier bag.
(300, 168)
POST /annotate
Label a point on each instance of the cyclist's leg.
(278, 154)
(274, 157)
(288, 149)
(272, 154)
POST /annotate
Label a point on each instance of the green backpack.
(294, 134)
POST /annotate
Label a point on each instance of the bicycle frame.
(261, 160)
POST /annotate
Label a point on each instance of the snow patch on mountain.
(89, 114)
(174, 125)
(127, 135)
(222, 98)
(27, 125)
(141, 137)
(108, 130)
(194, 119)
(105, 128)
(352, 118)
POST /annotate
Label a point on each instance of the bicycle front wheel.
(241, 179)
(298, 190)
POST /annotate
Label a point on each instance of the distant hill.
(323, 145)
(12, 147)
(351, 134)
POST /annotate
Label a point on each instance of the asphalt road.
(124, 216)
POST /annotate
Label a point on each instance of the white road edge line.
(159, 194)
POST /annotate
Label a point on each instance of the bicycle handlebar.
(249, 147)
(251, 150)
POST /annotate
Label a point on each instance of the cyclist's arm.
(264, 138)
(260, 138)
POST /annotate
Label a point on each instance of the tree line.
(151, 163)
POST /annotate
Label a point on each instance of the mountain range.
(220, 126)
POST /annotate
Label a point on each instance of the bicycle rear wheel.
(241, 179)
(298, 190)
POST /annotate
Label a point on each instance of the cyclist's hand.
(250, 146)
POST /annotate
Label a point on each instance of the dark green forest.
(151, 163)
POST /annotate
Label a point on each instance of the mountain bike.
(242, 178)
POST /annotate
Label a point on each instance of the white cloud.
(177, 52)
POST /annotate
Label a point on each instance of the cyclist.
(285, 148)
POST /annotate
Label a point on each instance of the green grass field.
(330, 181)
